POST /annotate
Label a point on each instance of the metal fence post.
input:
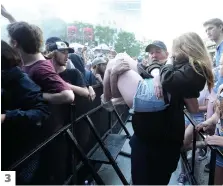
(193, 150)
(73, 156)
(110, 121)
(212, 167)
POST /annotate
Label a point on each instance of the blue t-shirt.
(218, 54)
(90, 78)
(218, 83)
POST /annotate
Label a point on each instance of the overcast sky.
(160, 19)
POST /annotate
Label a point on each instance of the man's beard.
(61, 64)
(101, 72)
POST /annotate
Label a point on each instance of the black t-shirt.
(73, 76)
(78, 62)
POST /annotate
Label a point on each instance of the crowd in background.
(32, 79)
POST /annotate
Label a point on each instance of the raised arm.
(7, 15)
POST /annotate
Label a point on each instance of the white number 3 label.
(7, 178)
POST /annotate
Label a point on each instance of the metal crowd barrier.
(214, 151)
(79, 152)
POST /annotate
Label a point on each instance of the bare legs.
(121, 80)
(127, 85)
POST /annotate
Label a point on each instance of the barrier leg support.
(85, 160)
(122, 124)
(212, 168)
(106, 151)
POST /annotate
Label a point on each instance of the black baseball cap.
(158, 44)
(55, 43)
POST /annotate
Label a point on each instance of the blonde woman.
(159, 127)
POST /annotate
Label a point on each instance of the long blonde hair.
(191, 47)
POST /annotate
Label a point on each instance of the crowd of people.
(157, 88)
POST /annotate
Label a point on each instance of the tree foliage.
(104, 35)
(122, 40)
(126, 42)
(54, 27)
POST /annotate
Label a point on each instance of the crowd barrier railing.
(214, 151)
(102, 123)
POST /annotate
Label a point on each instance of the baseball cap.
(156, 43)
(55, 43)
(52, 40)
(97, 61)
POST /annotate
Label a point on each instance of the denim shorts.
(198, 119)
(219, 132)
(219, 159)
(145, 99)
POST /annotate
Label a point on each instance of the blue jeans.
(219, 159)
(199, 118)
(145, 99)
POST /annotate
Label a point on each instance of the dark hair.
(215, 21)
(9, 57)
(78, 62)
(29, 37)
(52, 40)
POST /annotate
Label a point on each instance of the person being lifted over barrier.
(125, 78)
(158, 102)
